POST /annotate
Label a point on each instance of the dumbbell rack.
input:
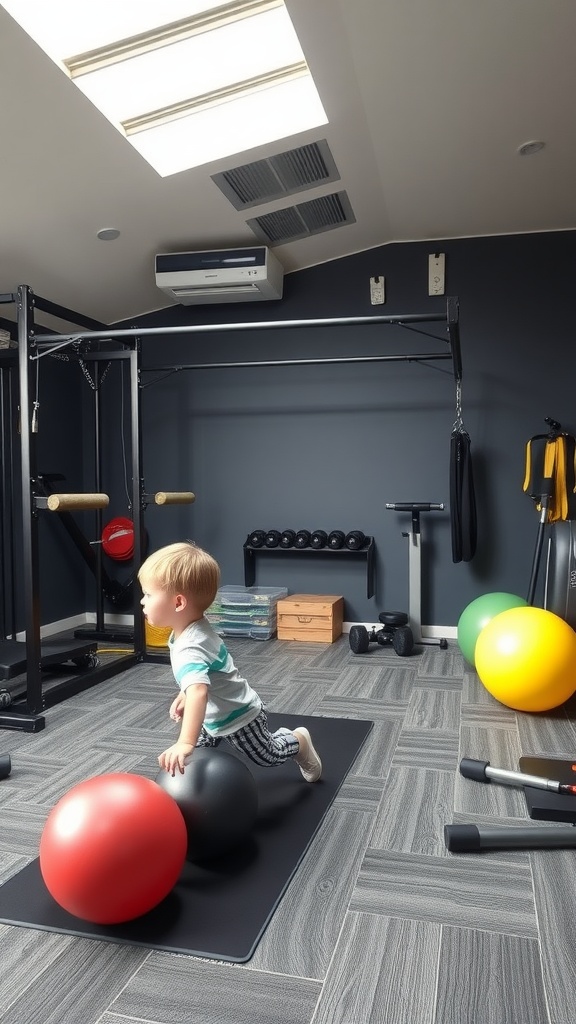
(367, 552)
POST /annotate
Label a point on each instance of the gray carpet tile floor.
(380, 924)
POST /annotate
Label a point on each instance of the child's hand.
(177, 707)
(175, 757)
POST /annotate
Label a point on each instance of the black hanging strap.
(462, 496)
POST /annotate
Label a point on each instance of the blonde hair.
(183, 568)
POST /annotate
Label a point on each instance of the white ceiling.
(428, 102)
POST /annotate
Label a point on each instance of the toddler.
(179, 582)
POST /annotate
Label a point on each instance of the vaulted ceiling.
(428, 102)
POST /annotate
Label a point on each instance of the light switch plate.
(436, 273)
(377, 291)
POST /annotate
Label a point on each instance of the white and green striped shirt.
(199, 656)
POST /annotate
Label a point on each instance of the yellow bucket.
(156, 636)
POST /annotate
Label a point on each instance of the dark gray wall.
(325, 447)
(59, 445)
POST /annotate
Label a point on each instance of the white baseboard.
(433, 632)
(112, 619)
(51, 628)
(450, 632)
(85, 618)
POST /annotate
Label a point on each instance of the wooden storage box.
(310, 617)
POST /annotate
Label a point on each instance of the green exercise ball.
(478, 614)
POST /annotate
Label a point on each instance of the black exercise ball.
(218, 799)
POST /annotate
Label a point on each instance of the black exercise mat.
(220, 910)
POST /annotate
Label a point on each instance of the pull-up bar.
(407, 320)
(400, 320)
(417, 357)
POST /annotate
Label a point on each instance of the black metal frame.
(407, 320)
(26, 714)
(8, 365)
(29, 717)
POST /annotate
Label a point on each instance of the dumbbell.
(336, 539)
(319, 539)
(302, 539)
(355, 540)
(287, 538)
(5, 766)
(256, 538)
(272, 538)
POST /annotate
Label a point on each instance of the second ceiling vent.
(303, 220)
(282, 175)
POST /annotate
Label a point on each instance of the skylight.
(185, 81)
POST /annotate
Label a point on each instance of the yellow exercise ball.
(526, 658)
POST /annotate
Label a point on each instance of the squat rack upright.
(29, 716)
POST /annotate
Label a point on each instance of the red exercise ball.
(112, 848)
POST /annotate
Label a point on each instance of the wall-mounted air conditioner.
(220, 275)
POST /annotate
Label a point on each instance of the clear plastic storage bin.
(246, 611)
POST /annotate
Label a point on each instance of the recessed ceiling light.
(528, 148)
(107, 234)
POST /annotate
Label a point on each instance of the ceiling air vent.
(265, 180)
(304, 219)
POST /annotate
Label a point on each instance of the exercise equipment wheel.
(395, 631)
